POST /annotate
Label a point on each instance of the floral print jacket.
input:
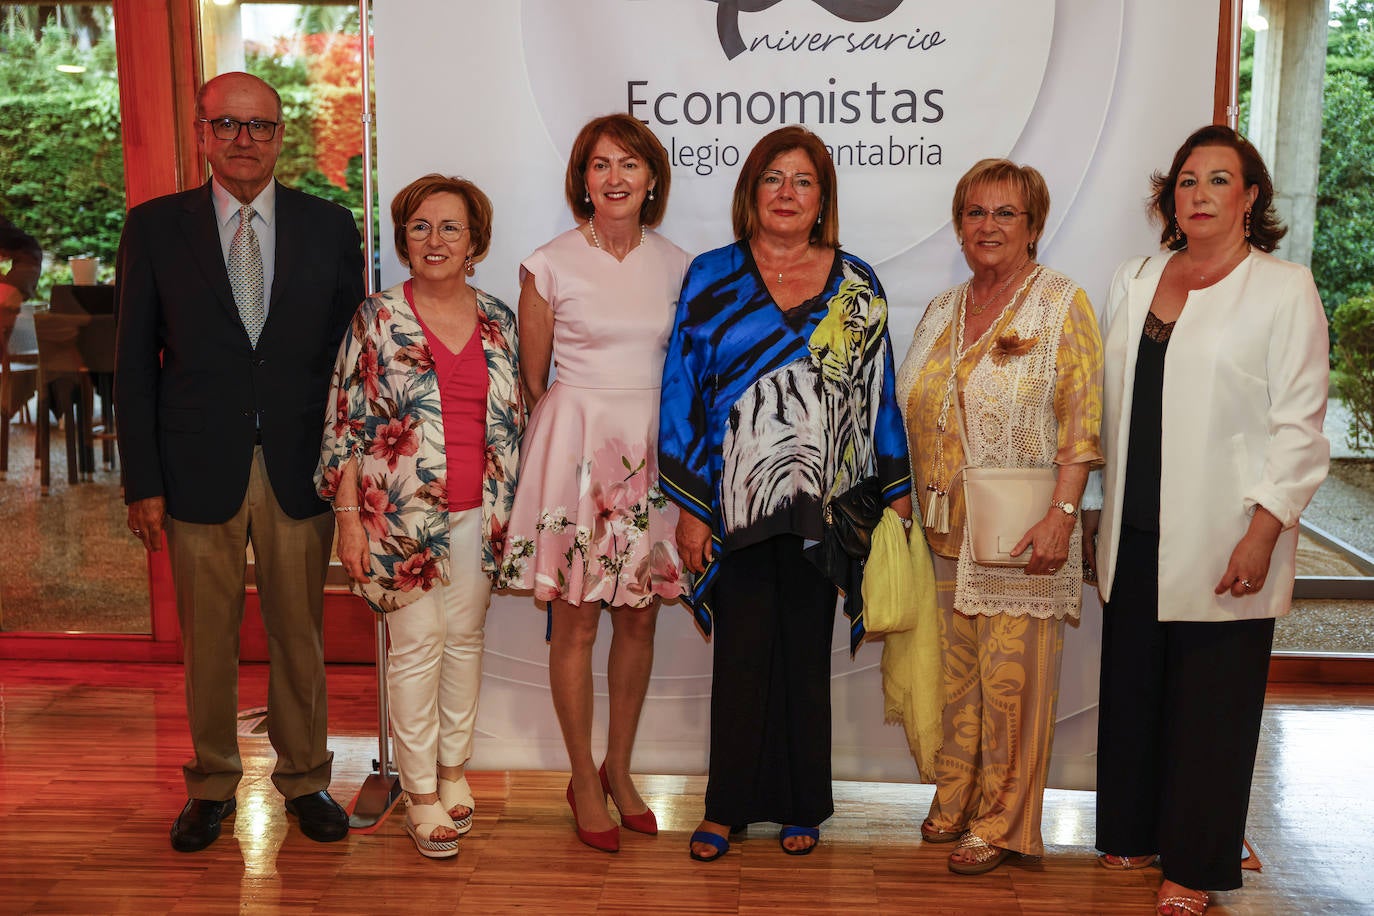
(384, 411)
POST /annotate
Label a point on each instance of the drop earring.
(1247, 225)
(1176, 236)
(586, 197)
(651, 193)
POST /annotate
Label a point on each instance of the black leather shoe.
(321, 817)
(197, 826)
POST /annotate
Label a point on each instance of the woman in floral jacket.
(420, 458)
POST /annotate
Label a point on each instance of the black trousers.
(774, 614)
(1178, 728)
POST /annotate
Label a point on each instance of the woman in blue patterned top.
(777, 395)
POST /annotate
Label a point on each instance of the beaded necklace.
(591, 224)
(937, 499)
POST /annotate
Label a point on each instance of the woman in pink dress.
(590, 529)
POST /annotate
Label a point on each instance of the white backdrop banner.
(907, 94)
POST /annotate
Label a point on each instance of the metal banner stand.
(382, 788)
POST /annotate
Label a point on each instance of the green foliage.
(296, 166)
(1353, 38)
(61, 156)
(1353, 380)
(1342, 257)
(61, 159)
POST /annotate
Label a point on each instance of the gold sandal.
(1178, 904)
(986, 857)
(930, 835)
(1125, 863)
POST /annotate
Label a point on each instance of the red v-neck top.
(463, 381)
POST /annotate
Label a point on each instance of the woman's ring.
(1245, 584)
(138, 532)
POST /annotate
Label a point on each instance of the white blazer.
(1245, 379)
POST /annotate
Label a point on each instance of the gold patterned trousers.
(1001, 678)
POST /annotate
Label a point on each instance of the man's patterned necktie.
(245, 275)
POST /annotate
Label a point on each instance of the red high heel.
(604, 840)
(644, 822)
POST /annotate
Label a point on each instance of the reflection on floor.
(89, 757)
(68, 562)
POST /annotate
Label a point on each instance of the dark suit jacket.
(189, 387)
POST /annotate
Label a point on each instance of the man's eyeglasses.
(420, 230)
(1002, 216)
(228, 129)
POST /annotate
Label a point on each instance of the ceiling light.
(70, 68)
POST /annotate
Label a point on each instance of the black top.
(1140, 502)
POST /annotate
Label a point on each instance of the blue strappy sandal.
(721, 844)
(787, 833)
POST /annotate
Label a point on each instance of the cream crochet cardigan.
(1009, 415)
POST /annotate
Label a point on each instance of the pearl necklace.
(978, 310)
(591, 224)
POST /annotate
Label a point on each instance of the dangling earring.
(1247, 225)
(818, 220)
(1030, 249)
(586, 197)
(468, 267)
(651, 193)
(1176, 236)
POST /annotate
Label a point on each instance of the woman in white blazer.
(1212, 454)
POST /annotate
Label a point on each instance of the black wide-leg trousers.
(774, 614)
(1178, 728)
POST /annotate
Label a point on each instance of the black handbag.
(852, 515)
(849, 519)
(840, 554)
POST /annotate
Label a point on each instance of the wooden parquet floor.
(90, 781)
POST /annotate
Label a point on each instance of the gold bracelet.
(347, 508)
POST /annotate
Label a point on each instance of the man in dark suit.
(233, 298)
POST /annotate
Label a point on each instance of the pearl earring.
(586, 197)
(651, 193)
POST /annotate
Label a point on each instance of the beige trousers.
(208, 565)
(434, 664)
(1001, 677)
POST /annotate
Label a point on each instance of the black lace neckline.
(1157, 330)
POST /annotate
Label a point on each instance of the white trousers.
(434, 663)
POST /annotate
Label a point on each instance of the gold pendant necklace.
(975, 308)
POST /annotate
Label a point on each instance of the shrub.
(61, 156)
(1353, 378)
(61, 160)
